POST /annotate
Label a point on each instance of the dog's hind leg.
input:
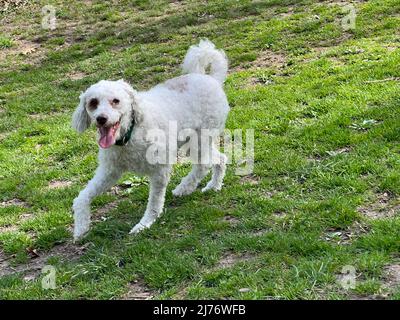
(155, 204)
(219, 161)
(192, 180)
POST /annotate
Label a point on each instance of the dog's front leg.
(155, 205)
(103, 179)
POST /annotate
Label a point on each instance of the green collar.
(127, 136)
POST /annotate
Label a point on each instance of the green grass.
(5, 42)
(326, 120)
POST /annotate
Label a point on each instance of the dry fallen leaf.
(32, 253)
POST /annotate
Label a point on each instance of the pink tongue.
(106, 137)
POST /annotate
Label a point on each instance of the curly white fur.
(194, 101)
(199, 57)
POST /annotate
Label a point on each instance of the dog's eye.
(93, 103)
(115, 101)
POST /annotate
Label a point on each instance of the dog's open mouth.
(107, 135)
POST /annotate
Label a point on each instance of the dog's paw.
(211, 186)
(136, 229)
(177, 192)
(80, 233)
(180, 191)
(81, 227)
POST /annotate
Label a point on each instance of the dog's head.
(111, 105)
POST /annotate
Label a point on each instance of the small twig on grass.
(383, 80)
(7, 258)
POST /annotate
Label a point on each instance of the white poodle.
(129, 125)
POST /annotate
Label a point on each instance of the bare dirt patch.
(4, 135)
(67, 252)
(365, 297)
(138, 291)
(25, 216)
(181, 294)
(288, 13)
(34, 50)
(126, 187)
(391, 277)
(279, 214)
(333, 153)
(250, 179)
(76, 75)
(260, 232)
(383, 207)
(269, 58)
(117, 190)
(390, 48)
(343, 2)
(267, 194)
(7, 5)
(108, 207)
(58, 184)
(345, 236)
(5, 229)
(100, 213)
(13, 202)
(229, 259)
(43, 116)
(21, 47)
(233, 221)
(321, 50)
(254, 81)
(266, 59)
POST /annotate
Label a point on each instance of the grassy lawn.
(325, 192)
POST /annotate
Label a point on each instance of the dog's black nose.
(101, 120)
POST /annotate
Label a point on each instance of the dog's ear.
(128, 88)
(80, 118)
(138, 115)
